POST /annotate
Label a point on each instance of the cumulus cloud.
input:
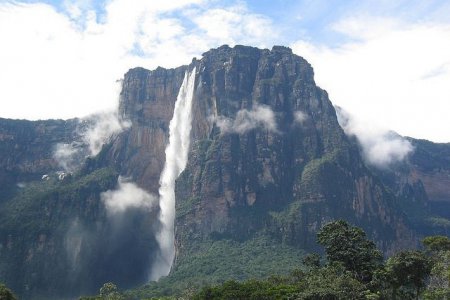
(259, 116)
(389, 68)
(380, 147)
(235, 23)
(127, 195)
(67, 66)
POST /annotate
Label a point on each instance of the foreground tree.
(439, 282)
(5, 293)
(349, 245)
(407, 272)
(354, 270)
(436, 243)
(108, 291)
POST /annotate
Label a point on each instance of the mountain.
(268, 165)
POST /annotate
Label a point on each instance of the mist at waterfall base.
(176, 159)
(118, 246)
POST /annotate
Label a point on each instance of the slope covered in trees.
(351, 268)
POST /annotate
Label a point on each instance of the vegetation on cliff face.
(46, 219)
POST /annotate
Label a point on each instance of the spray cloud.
(176, 159)
(127, 195)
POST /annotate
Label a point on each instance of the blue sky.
(385, 62)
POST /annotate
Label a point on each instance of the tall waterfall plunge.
(176, 159)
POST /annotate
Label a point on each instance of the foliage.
(403, 276)
(251, 289)
(40, 216)
(331, 282)
(108, 291)
(238, 260)
(407, 271)
(311, 260)
(436, 243)
(439, 281)
(349, 245)
(5, 293)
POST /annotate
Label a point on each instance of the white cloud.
(127, 195)
(246, 120)
(92, 132)
(391, 74)
(232, 24)
(67, 65)
(102, 127)
(380, 147)
(300, 116)
(68, 155)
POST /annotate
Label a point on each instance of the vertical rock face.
(147, 100)
(422, 186)
(26, 149)
(302, 168)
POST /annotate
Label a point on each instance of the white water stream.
(176, 160)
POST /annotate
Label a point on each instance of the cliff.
(268, 166)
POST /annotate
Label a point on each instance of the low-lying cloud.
(260, 116)
(380, 147)
(92, 133)
(127, 195)
(300, 116)
(102, 127)
(68, 155)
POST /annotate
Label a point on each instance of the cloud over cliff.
(380, 147)
(260, 116)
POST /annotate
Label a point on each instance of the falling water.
(176, 159)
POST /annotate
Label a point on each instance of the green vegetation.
(353, 269)
(5, 293)
(108, 291)
(349, 246)
(40, 206)
(438, 248)
(36, 222)
(239, 260)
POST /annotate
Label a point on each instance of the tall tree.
(349, 245)
(436, 243)
(409, 270)
(439, 282)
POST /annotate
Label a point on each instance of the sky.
(384, 62)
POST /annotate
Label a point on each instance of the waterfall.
(176, 159)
